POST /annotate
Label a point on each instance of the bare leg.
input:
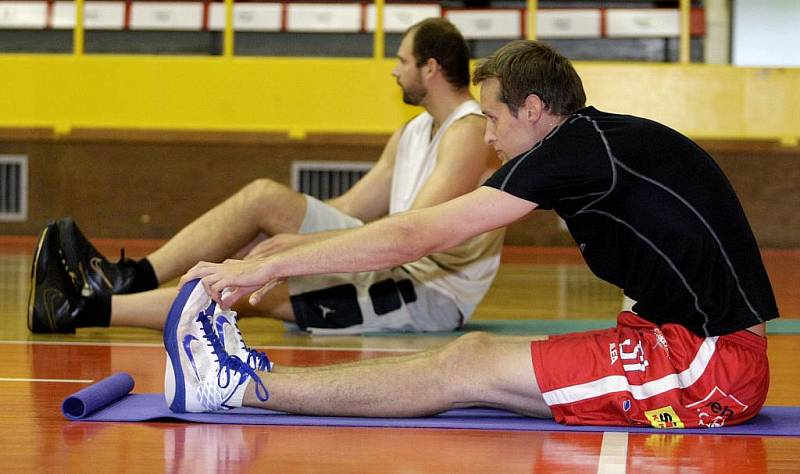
(474, 370)
(275, 304)
(261, 206)
(147, 309)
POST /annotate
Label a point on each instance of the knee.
(460, 357)
(259, 187)
(264, 192)
(473, 340)
(461, 370)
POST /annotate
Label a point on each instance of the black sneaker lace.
(229, 362)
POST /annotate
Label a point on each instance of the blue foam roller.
(96, 396)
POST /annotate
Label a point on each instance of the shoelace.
(254, 357)
(229, 362)
(235, 364)
(213, 341)
(260, 359)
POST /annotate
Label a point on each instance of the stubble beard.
(414, 94)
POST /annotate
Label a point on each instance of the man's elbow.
(415, 240)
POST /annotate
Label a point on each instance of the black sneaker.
(53, 303)
(95, 273)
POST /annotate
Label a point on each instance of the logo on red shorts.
(664, 418)
(633, 360)
(661, 341)
(716, 408)
(612, 353)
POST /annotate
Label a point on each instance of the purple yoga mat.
(771, 421)
(96, 396)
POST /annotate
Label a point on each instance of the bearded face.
(413, 91)
(408, 73)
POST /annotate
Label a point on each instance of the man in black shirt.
(650, 211)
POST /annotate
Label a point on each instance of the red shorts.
(642, 374)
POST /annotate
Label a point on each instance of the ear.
(532, 108)
(431, 66)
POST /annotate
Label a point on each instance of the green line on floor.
(550, 326)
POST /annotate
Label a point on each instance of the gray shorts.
(353, 303)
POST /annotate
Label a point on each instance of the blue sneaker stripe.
(220, 323)
(171, 344)
(187, 348)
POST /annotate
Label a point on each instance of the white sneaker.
(200, 376)
(226, 329)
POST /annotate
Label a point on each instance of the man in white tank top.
(437, 156)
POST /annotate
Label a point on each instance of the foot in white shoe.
(200, 376)
(227, 330)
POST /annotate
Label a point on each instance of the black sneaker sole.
(34, 274)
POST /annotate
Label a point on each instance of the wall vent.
(13, 188)
(327, 179)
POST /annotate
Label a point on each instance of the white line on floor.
(613, 453)
(7, 379)
(153, 344)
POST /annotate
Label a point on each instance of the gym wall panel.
(151, 184)
(128, 186)
(246, 16)
(182, 93)
(398, 18)
(308, 95)
(701, 101)
(98, 15)
(215, 124)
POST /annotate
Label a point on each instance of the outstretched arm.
(463, 162)
(382, 244)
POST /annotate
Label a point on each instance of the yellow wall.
(302, 95)
(703, 101)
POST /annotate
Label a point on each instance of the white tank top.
(463, 273)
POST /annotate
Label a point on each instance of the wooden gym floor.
(37, 372)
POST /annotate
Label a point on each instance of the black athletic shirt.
(651, 213)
